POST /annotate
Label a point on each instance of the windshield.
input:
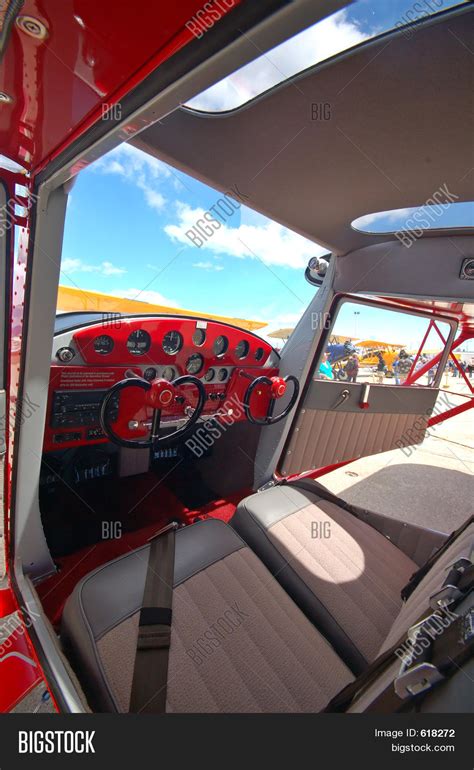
(141, 237)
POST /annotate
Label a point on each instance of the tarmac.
(430, 484)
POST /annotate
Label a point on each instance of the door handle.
(343, 397)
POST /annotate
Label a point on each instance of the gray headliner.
(389, 98)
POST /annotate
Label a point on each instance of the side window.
(373, 344)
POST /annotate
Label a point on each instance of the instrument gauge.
(199, 337)
(172, 343)
(242, 349)
(168, 373)
(259, 353)
(139, 342)
(222, 375)
(220, 346)
(194, 364)
(149, 374)
(210, 374)
(103, 345)
(65, 355)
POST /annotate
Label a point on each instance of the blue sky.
(128, 213)
(385, 325)
(125, 235)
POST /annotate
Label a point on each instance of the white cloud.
(154, 198)
(324, 39)
(139, 168)
(275, 321)
(107, 268)
(208, 266)
(69, 266)
(268, 241)
(147, 295)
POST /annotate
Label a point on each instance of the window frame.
(354, 299)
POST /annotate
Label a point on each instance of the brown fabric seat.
(340, 571)
(238, 642)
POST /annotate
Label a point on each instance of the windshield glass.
(141, 237)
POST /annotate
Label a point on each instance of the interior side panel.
(327, 431)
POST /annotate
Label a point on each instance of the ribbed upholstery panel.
(270, 658)
(349, 566)
(326, 437)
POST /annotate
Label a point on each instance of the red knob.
(160, 395)
(278, 387)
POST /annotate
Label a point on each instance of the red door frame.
(413, 375)
(20, 670)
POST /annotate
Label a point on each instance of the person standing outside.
(352, 368)
(381, 369)
(402, 367)
(325, 369)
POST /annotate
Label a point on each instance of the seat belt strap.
(418, 576)
(150, 673)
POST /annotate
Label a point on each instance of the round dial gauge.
(259, 353)
(220, 345)
(242, 349)
(103, 344)
(468, 269)
(172, 343)
(194, 364)
(199, 337)
(210, 374)
(222, 375)
(150, 373)
(168, 373)
(139, 342)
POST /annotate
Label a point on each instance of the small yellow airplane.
(370, 348)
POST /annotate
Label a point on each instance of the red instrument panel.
(224, 357)
(170, 341)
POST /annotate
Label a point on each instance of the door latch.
(343, 397)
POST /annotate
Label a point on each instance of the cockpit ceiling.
(398, 127)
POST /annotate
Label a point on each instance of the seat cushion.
(238, 642)
(341, 572)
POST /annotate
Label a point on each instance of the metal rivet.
(32, 27)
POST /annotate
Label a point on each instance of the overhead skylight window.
(440, 214)
(360, 21)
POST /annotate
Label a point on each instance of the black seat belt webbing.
(150, 674)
